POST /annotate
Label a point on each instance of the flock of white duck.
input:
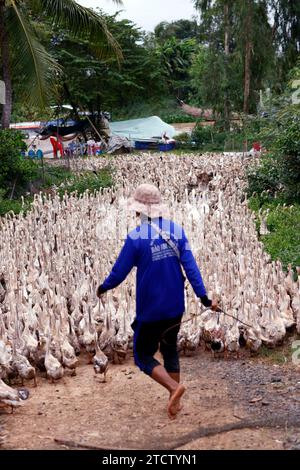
(52, 260)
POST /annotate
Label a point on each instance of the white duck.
(9, 396)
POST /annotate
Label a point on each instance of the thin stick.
(77, 445)
(191, 319)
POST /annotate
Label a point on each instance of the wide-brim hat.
(147, 200)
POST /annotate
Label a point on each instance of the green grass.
(87, 181)
(283, 242)
(280, 355)
(64, 181)
(55, 175)
(276, 356)
(15, 206)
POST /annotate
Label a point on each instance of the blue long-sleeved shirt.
(160, 281)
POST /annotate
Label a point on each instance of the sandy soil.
(129, 411)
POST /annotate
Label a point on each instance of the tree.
(279, 169)
(216, 32)
(248, 9)
(239, 35)
(227, 58)
(96, 84)
(22, 51)
(176, 59)
(286, 33)
(255, 44)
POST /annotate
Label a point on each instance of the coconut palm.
(21, 50)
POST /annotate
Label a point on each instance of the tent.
(142, 129)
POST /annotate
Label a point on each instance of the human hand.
(215, 305)
(100, 292)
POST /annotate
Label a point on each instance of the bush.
(15, 171)
(177, 118)
(7, 205)
(183, 137)
(166, 108)
(287, 152)
(209, 138)
(283, 241)
(88, 182)
(55, 175)
(264, 178)
(279, 169)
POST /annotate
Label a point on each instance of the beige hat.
(147, 200)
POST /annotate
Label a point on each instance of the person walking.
(158, 247)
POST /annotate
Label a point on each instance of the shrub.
(88, 182)
(183, 137)
(15, 171)
(209, 138)
(279, 169)
(7, 205)
(177, 118)
(283, 222)
(264, 178)
(55, 175)
(283, 242)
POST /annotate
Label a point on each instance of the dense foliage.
(278, 172)
(21, 176)
(221, 62)
(274, 183)
(14, 170)
(24, 56)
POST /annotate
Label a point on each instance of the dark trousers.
(151, 337)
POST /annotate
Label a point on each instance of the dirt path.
(129, 410)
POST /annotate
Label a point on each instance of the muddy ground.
(234, 404)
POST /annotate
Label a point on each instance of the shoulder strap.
(165, 236)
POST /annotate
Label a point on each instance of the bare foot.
(174, 402)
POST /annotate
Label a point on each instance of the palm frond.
(31, 61)
(81, 22)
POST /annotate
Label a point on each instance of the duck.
(9, 396)
(72, 337)
(5, 360)
(233, 339)
(54, 280)
(38, 356)
(23, 367)
(87, 328)
(69, 358)
(107, 333)
(119, 342)
(54, 369)
(100, 360)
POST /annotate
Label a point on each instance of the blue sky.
(147, 13)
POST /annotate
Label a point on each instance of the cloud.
(147, 13)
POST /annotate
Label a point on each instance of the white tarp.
(142, 129)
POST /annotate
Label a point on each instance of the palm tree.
(21, 50)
